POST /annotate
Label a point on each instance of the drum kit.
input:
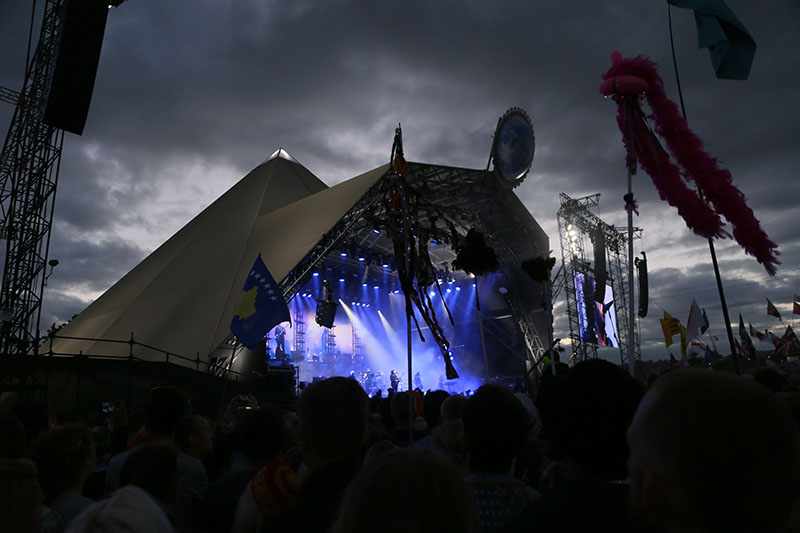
(371, 381)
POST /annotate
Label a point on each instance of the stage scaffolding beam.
(29, 165)
(470, 198)
(576, 222)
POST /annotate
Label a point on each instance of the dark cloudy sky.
(191, 95)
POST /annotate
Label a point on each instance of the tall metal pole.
(480, 327)
(700, 192)
(631, 312)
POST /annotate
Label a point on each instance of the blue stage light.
(343, 254)
(431, 294)
(361, 259)
(449, 290)
(315, 274)
(363, 284)
(341, 279)
(385, 265)
(396, 291)
(367, 305)
(458, 288)
(375, 231)
(375, 287)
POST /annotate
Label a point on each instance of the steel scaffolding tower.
(29, 165)
(299, 333)
(576, 223)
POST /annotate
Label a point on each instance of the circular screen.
(515, 144)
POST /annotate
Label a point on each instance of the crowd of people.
(592, 450)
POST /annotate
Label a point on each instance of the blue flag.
(731, 47)
(260, 308)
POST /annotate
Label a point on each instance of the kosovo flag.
(731, 47)
(261, 307)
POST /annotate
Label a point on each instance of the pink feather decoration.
(695, 164)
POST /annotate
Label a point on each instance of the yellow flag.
(670, 326)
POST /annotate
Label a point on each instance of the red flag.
(760, 335)
(739, 348)
(796, 305)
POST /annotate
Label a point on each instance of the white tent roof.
(181, 297)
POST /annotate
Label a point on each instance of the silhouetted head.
(333, 420)
(712, 452)
(163, 408)
(406, 490)
(495, 428)
(588, 412)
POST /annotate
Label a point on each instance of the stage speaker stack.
(70, 81)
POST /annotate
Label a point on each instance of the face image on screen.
(597, 320)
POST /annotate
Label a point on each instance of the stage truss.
(29, 166)
(576, 223)
(469, 198)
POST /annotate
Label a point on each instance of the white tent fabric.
(180, 298)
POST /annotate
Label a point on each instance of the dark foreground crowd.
(697, 451)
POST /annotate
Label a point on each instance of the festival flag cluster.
(697, 324)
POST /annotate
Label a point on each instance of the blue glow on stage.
(369, 338)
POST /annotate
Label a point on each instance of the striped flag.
(772, 310)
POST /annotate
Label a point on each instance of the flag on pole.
(790, 338)
(796, 305)
(261, 306)
(739, 348)
(694, 326)
(774, 339)
(747, 342)
(704, 325)
(730, 45)
(760, 335)
(772, 310)
(670, 326)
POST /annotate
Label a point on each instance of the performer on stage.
(280, 340)
(395, 381)
(417, 381)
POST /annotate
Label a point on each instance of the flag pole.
(631, 313)
(721, 290)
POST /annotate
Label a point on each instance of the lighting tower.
(55, 97)
(576, 223)
(29, 165)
